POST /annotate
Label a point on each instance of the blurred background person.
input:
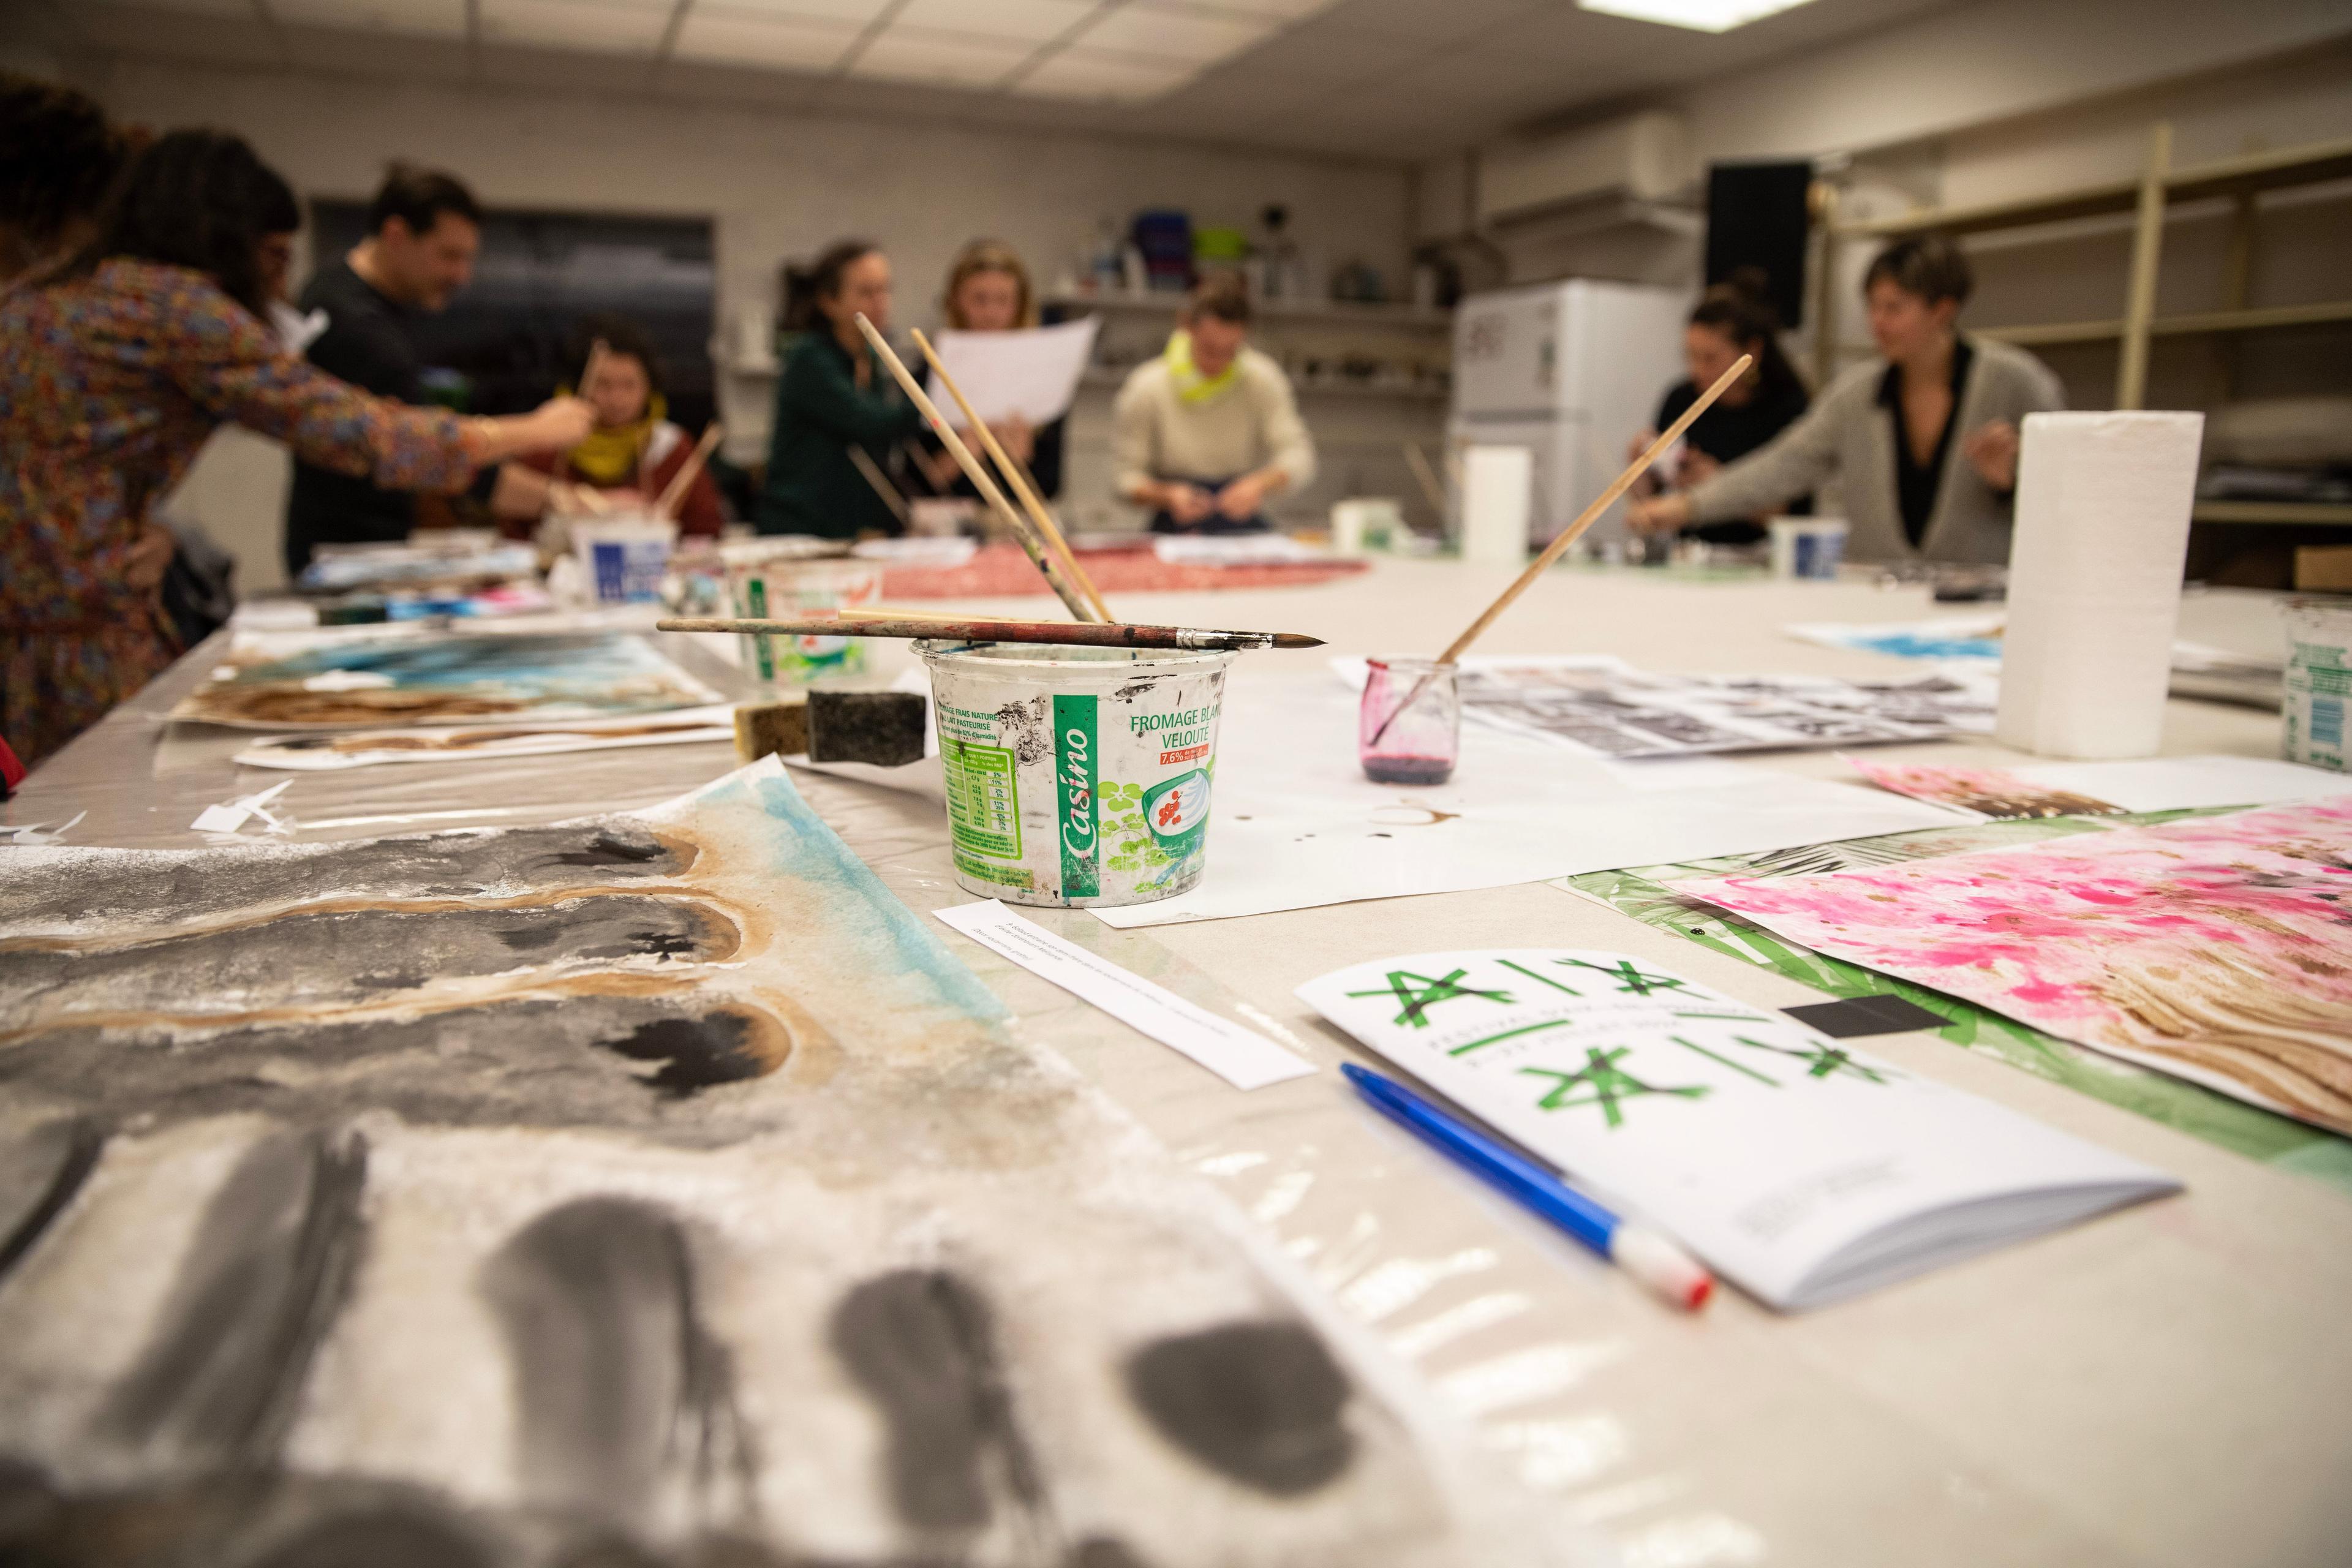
(1209, 432)
(834, 399)
(424, 228)
(116, 367)
(989, 291)
(1733, 317)
(1923, 440)
(634, 451)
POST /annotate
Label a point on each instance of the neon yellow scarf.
(1191, 386)
(608, 459)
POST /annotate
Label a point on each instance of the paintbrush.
(1079, 634)
(1030, 545)
(674, 495)
(1568, 535)
(1019, 480)
(863, 461)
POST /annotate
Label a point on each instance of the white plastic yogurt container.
(2318, 682)
(1076, 776)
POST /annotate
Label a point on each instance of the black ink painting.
(643, 1190)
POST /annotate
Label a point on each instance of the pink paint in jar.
(1408, 729)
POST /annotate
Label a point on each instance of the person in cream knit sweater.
(1208, 431)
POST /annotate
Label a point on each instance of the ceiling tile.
(1142, 28)
(1105, 79)
(1322, 51)
(1027, 21)
(1278, 10)
(420, 19)
(1425, 21)
(763, 38)
(858, 11)
(604, 26)
(945, 59)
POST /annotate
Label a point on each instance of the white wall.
(778, 184)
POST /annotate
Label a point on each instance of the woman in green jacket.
(834, 399)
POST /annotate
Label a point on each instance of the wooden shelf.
(1333, 311)
(2195, 181)
(2256, 319)
(2304, 512)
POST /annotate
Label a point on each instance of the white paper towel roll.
(2095, 568)
(1498, 494)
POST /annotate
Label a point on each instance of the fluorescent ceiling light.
(1699, 16)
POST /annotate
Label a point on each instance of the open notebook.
(1801, 1170)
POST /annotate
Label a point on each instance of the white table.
(2171, 1384)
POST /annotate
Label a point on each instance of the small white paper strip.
(1241, 1056)
(230, 816)
(34, 832)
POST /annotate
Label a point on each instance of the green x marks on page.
(1417, 994)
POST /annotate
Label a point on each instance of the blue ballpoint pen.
(1641, 1252)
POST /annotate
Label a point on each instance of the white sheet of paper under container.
(1801, 1170)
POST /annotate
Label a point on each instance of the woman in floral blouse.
(112, 373)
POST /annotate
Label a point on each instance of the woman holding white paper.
(988, 290)
(1923, 441)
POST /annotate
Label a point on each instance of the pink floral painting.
(1996, 793)
(2219, 949)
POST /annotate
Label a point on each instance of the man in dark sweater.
(424, 228)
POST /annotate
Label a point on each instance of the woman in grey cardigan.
(1923, 444)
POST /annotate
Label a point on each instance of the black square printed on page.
(1865, 1016)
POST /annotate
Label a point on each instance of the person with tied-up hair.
(115, 366)
(1923, 442)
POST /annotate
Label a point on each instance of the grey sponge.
(883, 728)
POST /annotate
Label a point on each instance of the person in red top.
(634, 451)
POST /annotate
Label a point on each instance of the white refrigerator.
(1573, 370)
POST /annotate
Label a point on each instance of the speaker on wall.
(1757, 215)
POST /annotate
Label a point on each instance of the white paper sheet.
(1030, 374)
(1243, 1058)
(1294, 823)
(1800, 1169)
(2186, 784)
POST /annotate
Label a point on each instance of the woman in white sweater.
(1208, 432)
(1923, 442)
